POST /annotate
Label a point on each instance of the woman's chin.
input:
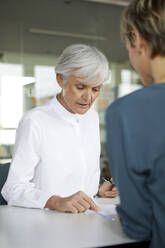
(81, 111)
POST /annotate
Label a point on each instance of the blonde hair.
(148, 18)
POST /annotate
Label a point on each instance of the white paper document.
(108, 211)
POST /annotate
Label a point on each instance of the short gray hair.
(85, 62)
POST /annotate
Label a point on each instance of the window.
(11, 100)
(46, 84)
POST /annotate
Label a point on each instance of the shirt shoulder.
(36, 114)
(135, 100)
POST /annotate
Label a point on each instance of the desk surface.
(35, 228)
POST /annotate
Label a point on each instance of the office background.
(32, 36)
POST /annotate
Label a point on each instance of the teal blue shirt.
(136, 152)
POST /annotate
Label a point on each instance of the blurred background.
(32, 36)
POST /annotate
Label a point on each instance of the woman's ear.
(60, 79)
(139, 42)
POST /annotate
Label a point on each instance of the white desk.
(35, 228)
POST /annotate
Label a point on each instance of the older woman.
(56, 159)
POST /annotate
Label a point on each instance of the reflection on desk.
(35, 228)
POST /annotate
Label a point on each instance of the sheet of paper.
(108, 211)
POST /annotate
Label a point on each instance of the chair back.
(4, 169)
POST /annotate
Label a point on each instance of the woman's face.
(77, 97)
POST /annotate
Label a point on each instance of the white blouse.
(56, 153)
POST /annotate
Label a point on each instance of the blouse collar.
(64, 113)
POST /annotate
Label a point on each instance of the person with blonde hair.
(135, 127)
(57, 151)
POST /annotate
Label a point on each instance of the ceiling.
(48, 26)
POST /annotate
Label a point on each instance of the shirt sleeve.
(130, 177)
(19, 189)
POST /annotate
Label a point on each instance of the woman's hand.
(76, 203)
(107, 189)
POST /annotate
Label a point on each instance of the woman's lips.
(83, 105)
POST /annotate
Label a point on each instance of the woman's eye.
(96, 89)
(79, 87)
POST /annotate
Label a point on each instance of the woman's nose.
(87, 96)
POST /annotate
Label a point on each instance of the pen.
(109, 180)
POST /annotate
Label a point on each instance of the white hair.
(85, 62)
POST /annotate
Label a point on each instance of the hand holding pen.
(109, 180)
(108, 189)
